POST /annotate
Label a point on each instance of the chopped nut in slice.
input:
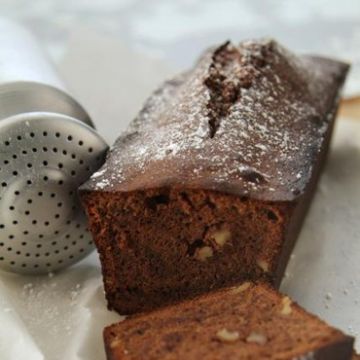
(204, 253)
(115, 343)
(221, 236)
(227, 336)
(241, 288)
(258, 338)
(263, 265)
(286, 306)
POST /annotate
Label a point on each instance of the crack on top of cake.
(230, 71)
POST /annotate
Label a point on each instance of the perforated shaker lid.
(44, 159)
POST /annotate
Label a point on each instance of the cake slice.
(210, 184)
(251, 322)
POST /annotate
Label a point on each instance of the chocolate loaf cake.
(249, 322)
(211, 182)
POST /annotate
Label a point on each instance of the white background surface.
(176, 30)
(112, 54)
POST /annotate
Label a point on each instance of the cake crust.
(248, 120)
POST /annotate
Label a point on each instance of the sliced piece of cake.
(251, 322)
(210, 184)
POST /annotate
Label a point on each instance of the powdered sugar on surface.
(264, 146)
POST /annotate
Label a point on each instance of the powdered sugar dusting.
(265, 139)
(103, 183)
(98, 173)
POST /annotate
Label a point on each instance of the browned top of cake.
(247, 119)
(246, 322)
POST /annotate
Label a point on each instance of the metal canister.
(48, 147)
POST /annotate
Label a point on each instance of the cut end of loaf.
(163, 245)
